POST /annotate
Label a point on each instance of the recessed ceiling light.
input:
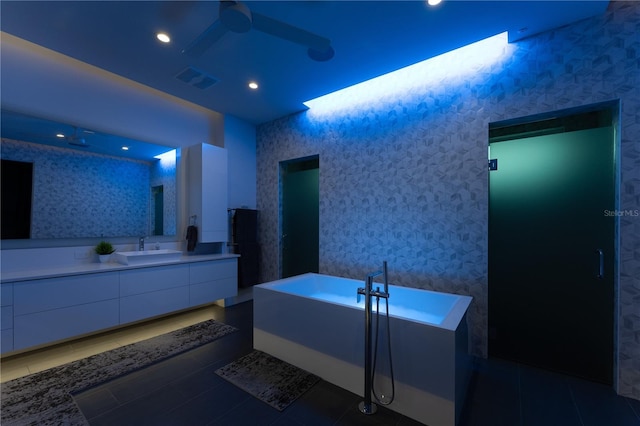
(253, 85)
(59, 135)
(163, 37)
(434, 2)
(125, 148)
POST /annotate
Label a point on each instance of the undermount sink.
(147, 256)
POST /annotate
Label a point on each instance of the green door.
(158, 210)
(300, 217)
(551, 252)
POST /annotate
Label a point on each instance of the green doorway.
(157, 200)
(551, 243)
(299, 239)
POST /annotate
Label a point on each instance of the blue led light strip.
(456, 65)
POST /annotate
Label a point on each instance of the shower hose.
(375, 357)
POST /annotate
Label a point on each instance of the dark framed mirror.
(84, 183)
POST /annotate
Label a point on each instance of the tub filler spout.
(368, 289)
(366, 406)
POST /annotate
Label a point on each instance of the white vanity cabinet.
(211, 281)
(51, 309)
(6, 318)
(39, 310)
(208, 191)
(149, 292)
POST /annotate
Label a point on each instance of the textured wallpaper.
(405, 179)
(78, 194)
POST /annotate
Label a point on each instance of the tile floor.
(185, 391)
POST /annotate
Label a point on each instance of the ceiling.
(370, 38)
(22, 127)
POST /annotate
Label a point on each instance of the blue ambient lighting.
(455, 66)
(168, 159)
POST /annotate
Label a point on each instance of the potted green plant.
(104, 250)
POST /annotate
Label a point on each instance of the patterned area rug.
(44, 398)
(269, 379)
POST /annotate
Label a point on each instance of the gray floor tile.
(186, 391)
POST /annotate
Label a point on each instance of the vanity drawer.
(6, 341)
(210, 291)
(54, 293)
(148, 305)
(146, 280)
(49, 326)
(6, 294)
(6, 317)
(200, 272)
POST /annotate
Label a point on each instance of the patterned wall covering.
(78, 194)
(406, 180)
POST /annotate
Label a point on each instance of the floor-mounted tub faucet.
(385, 278)
(367, 406)
(141, 244)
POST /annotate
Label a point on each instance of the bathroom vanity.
(40, 307)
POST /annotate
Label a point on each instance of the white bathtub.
(313, 321)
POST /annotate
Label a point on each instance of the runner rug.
(269, 379)
(45, 398)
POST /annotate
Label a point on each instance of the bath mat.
(45, 398)
(269, 379)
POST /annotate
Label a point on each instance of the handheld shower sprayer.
(367, 406)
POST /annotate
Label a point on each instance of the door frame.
(614, 106)
(282, 170)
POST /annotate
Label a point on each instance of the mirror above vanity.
(85, 184)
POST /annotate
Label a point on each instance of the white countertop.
(92, 268)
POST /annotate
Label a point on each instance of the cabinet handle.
(600, 274)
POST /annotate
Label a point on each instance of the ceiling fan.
(236, 17)
(78, 139)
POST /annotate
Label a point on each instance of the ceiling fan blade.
(175, 11)
(321, 55)
(289, 32)
(205, 40)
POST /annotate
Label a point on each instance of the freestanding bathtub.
(313, 321)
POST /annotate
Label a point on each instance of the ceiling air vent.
(197, 78)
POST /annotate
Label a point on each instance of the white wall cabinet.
(41, 311)
(208, 191)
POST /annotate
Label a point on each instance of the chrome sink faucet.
(141, 244)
